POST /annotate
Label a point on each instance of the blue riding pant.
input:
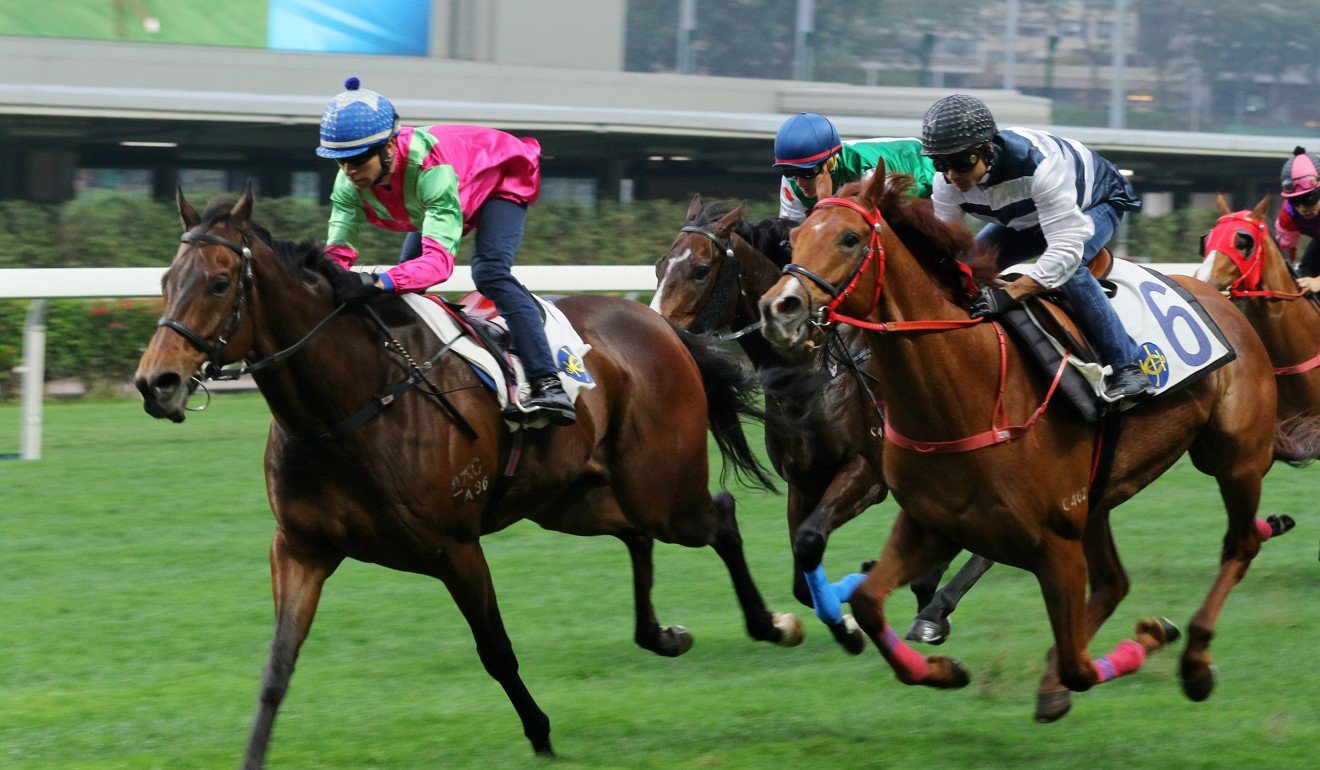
(499, 231)
(1092, 309)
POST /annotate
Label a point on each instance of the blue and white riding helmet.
(356, 121)
(805, 140)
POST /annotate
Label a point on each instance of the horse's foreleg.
(783, 629)
(464, 571)
(931, 626)
(852, 490)
(1241, 544)
(670, 641)
(297, 574)
(911, 551)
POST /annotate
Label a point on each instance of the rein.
(999, 433)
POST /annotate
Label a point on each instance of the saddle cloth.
(566, 346)
(1178, 340)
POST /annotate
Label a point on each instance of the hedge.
(99, 341)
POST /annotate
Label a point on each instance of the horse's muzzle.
(786, 314)
(164, 395)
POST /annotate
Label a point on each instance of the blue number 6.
(1166, 320)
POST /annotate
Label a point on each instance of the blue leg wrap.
(827, 597)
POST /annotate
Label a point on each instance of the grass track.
(135, 616)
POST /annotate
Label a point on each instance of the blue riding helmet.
(356, 121)
(805, 140)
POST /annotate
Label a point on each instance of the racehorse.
(1242, 259)
(1019, 492)
(409, 480)
(828, 447)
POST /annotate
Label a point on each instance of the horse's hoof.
(956, 676)
(928, 631)
(1052, 706)
(1198, 687)
(1162, 630)
(1279, 523)
(674, 641)
(850, 636)
(790, 628)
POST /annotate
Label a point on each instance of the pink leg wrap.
(911, 664)
(1263, 527)
(1126, 658)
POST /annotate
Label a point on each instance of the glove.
(991, 301)
(351, 287)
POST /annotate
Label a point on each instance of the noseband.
(840, 292)
(213, 350)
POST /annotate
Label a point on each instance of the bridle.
(727, 280)
(1223, 239)
(839, 292)
(211, 368)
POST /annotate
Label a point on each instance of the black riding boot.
(1128, 381)
(548, 396)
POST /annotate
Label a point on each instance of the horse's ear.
(730, 219)
(1221, 205)
(187, 214)
(694, 207)
(1261, 208)
(241, 213)
(875, 186)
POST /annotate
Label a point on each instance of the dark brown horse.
(952, 384)
(828, 446)
(1242, 259)
(359, 466)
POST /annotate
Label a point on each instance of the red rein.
(998, 432)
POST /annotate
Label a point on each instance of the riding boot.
(1127, 381)
(548, 396)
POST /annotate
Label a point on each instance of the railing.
(41, 284)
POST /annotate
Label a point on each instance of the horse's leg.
(800, 506)
(911, 551)
(463, 569)
(1062, 574)
(782, 629)
(1240, 490)
(297, 574)
(670, 641)
(924, 587)
(931, 625)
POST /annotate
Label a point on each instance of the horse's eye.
(700, 272)
(851, 240)
(220, 285)
(1244, 244)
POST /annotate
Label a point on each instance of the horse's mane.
(937, 245)
(295, 256)
(769, 236)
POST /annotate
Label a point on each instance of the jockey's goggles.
(359, 159)
(804, 173)
(1300, 183)
(960, 162)
(1306, 199)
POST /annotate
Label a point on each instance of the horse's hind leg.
(464, 571)
(670, 641)
(782, 629)
(297, 574)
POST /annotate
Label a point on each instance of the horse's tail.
(731, 394)
(1297, 440)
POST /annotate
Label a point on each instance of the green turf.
(135, 615)
(235, 23)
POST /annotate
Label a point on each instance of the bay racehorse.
(360, 466)
(980, 457)
(1241, 258)
(828, 445)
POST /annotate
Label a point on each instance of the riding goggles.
(804, 173)
(963, 161)
(1306, 199)
(1308, 182)
(359, 159)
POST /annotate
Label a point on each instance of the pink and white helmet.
(1300, 174)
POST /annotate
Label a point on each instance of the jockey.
(1044, 196)
(1300, 215)
(808, 145)
(441, 181)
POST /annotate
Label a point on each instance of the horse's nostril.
(165, 385)
(789, 305)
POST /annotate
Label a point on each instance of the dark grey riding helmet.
(956, 124)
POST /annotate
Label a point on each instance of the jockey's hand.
(992, 301)
(1310, 285)
(349, 286)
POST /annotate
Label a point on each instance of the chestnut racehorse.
(827, 448)
(358, 466)
(980, 456)
(1241, 258)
